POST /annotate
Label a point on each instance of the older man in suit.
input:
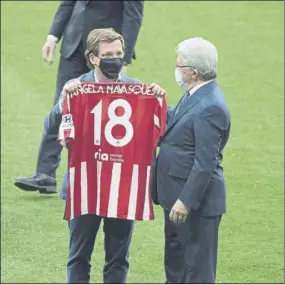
(73, 21)
(188, 180)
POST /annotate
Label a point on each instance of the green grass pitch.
(249, 38)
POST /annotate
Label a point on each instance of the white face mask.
(178, 77)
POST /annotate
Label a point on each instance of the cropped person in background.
(73, 22)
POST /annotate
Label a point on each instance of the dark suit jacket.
(188, 166)
(75, 19)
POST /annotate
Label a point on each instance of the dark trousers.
(83, 231)
(50, 149)
(191, 249)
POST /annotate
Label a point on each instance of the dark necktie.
(182, 103)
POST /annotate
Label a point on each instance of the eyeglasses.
(182, 66)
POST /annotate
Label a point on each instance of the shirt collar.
(96, 79)
(195, 88)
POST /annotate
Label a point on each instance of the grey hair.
(198, 53)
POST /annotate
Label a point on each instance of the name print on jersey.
(112, 89)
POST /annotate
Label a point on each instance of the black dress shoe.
(38, 182)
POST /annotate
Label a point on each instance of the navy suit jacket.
(75, 19)
(53, 119)
(188, 166)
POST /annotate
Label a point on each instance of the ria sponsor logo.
(101, 156)
(111, 157)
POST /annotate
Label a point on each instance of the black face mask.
(111, 67)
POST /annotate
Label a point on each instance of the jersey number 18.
(114, 120)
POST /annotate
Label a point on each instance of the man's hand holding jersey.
(70, 87)
(74, 85)
(157, 90)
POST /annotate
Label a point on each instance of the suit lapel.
(191, 102)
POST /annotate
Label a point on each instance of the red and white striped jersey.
(110, 130)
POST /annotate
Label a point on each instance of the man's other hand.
(179, 212)
(157, 90)
(49, 48)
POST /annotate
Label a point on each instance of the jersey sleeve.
(66, 129)
(163, 116)
(160, 116)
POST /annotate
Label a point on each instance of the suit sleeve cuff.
(52, 37)
(191, 203)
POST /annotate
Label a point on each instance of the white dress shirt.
(195, 88)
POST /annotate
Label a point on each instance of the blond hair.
(97, 36)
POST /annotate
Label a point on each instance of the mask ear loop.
(95, 59)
